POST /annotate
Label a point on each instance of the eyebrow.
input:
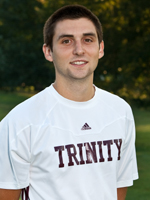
(64, 35)
(89, 34)
(71, 36)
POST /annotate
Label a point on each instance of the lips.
(78, 62)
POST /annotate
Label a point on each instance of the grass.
(10, 100)
(141, 188)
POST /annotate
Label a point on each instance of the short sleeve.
(127, 166)
(14, 155)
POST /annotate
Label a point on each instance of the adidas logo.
(85, 127)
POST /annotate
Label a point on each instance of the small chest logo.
(85, 127)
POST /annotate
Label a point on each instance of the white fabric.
(35, 138)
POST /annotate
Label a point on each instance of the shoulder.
(115, 103)
(33, 110)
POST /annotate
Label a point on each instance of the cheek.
(94, 51)
(60, 59)
(95, 55)
(61, 54)
(57, 58)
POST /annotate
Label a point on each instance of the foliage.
(21, 43)
(125, 68)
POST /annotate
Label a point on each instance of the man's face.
(76, 49)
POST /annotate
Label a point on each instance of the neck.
(75, 90)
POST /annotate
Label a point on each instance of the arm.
(9, 194)
(121, 193)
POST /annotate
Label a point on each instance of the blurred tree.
(21, 41)
(124, 70)
(126, 67)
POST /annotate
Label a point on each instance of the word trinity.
(92, 155)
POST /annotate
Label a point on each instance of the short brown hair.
(69, 12)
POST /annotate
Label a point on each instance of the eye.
(66, 41)
(88, 40)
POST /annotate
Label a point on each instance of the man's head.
(69, 12)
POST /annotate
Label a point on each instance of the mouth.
(79, 62)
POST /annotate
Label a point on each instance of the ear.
(47, 53)
(101, 50)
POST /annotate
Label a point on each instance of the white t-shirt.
(67, 150)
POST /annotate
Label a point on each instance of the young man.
(72, 140)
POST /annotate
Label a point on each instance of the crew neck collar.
(72, 103)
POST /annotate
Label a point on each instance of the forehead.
(74, 26)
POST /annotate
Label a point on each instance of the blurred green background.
(124, 70)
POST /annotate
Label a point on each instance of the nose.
(78, 48)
